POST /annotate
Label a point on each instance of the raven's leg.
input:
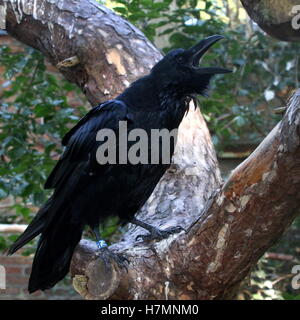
(106, 254)
(155, 233)
(99, 242)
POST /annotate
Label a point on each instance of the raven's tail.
(54, 252)
(59, 237)
(34, 229)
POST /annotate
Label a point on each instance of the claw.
(109, 256)
(157, 234)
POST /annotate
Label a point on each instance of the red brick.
(38, 293)
(12, 280)
(14, 270)
(14, 260)
(10, 291)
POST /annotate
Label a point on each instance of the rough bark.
(276, 17)
(238, 224)
(228, 228)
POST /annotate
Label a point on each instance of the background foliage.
(36, 111)
(34, 117)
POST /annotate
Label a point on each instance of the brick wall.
(17, 269)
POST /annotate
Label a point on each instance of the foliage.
(35, 115)
(272, 279)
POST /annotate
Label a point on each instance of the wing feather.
(80, 142)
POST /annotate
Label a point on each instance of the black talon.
(108, 256)
(157, 234)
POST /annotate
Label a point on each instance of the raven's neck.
(147, 94)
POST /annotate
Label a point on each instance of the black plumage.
(85, 192)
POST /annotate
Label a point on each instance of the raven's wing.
(80, 141)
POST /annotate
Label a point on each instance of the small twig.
(224, 116)
(279, 256)
(279, 110)
(287, 276)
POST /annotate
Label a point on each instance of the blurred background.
(37, 107)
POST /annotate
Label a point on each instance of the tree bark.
(279, 18)
(238, 224)
(228, 227)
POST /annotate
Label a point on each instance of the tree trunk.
(279, 18)
(228, 228)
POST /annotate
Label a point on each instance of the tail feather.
(54, 253)
(60, 229)
(35, 228)
(59, 236)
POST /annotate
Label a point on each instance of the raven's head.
(180, 68)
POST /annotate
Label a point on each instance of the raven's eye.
(180, 59)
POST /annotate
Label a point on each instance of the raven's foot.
(109, 256)
(157, 234)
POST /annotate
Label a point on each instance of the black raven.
(86, 192)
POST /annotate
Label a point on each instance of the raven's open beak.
(199, 50)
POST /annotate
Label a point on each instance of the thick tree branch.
(279, 18)
(239, 223)
(110, 51)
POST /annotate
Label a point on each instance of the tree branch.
(276, 17)
(110, 51)
(239, 223)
